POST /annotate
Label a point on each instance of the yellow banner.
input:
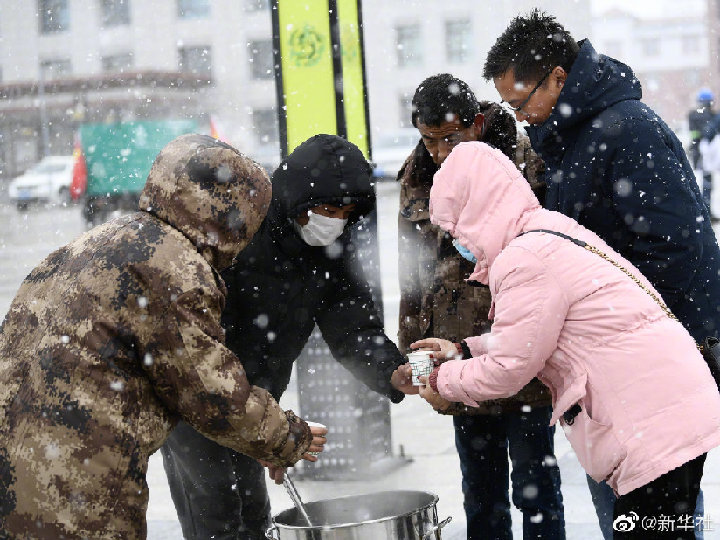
(308, 75)
(307, 69)
(353, 84)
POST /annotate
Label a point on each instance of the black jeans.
(483, 443)
(663, 508)
(218, 493)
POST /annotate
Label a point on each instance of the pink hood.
(501, 199)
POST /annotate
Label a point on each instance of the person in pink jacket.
(632, 392)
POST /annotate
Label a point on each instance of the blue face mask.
(464, 252)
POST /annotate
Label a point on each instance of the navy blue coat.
(614, 166)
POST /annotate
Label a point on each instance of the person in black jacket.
(614, 166)
(294, 274)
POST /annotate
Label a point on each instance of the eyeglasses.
(525, 101)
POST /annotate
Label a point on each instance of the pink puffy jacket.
(564, 314)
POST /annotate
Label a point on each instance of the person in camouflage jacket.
(116, 336)
(436, 301)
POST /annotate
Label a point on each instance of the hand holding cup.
(318, 442)
(442, 349)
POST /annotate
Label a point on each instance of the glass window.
(55, 68)
(409, 45)
(690, 43)
(193, 9)
(614, 49)
(115, 12)
(196, 60)
(405, 110)
(650, 47)
(117, 63)
(458, 40)
(261, 58)
(265, 125)
(257, 5)
(54, 15)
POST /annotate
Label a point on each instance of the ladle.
(295, 496)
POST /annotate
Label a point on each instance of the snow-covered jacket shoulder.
(114, 337)
(576, 321)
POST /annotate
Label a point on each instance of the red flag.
(79, 177)
(214, 131)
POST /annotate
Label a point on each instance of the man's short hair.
(442, 95)
(531, 46)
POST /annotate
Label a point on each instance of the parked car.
(47, 181)
(390, 149)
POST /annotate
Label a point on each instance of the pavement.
(427, 439)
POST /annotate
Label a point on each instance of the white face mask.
(320, 230)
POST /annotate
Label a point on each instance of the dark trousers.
(663, 508)
(483, 443)
(604, 500)
(218, 493)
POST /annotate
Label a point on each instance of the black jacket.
(614, 166)
(280, 287)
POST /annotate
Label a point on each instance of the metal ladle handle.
(295, 496)
(437, 527)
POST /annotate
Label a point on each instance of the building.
(64, 62)
(672, 48)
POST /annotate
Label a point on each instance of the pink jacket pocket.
(596, 446)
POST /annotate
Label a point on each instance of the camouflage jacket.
(435, 300)
(117, 335)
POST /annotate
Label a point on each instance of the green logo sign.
(307, 46)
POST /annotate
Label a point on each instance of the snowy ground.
(427, 438)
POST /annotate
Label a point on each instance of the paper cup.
(422, 363)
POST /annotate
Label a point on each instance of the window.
(54, 15)
(458, 41)
(193, 9)
(115, 12)
(265, 125)
(650, 47)
(55, 68)
(614, 49)
(257, 5)
(117, 63)
(261, 58)
(409, 46)
(405, 110)
(196, 60)
(690, 43)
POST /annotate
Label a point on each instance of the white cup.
(422, 363)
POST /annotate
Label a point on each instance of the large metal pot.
(388, 515)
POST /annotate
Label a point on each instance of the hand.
(444, 349)
(275, 472)
(402, 380)
(317, 444)
(438, 402)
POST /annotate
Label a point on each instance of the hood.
(595, 82)
(480, 198)
(325, 169)
(210, 192)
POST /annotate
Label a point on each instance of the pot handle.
(437, 527)
(270, 533)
